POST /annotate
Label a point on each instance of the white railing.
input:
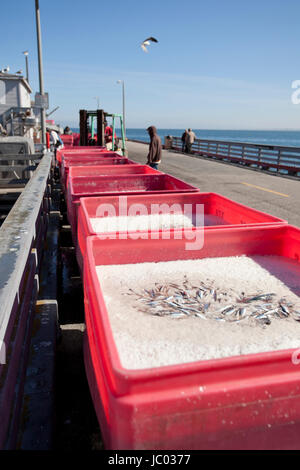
(261, 156)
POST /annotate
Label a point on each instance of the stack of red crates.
(242, 402)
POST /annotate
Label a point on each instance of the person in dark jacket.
(183, 140)
(154, 154)
(67, 131)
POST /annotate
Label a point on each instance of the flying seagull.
(147, 43)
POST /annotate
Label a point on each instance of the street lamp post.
(123, 98)
(27, 69)
(41, 78)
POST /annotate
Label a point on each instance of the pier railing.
(261, 156)
(21, 246)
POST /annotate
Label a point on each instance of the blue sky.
(218, 64)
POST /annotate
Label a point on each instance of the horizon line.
(215, 129)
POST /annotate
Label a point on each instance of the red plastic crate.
(69, 153)
(83, 159)
(242, 402)
(79, 187)
(78, 150)
(88, 148)
(67, 140)
(230, 214)
(106, 170)
(86, 156)
(68, 162)
(135, 169)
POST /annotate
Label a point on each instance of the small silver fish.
(270, 312)
(200, 316)
(257, 297)
(230, 312)
(223, 309)
(261, 316)
(190, 308)
(186, 312)
(171, 303)
(285, 309)
(241, 312)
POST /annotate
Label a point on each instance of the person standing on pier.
(190, 139)
(154, 154)
(108, 136)
(67, 131)
(183, 140)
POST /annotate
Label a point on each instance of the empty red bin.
(69, 153)
(88, 148)
(79, 187)
(77, 151)
(241, 402)
(69, 162)
(106, 170)
(85, 157)
(219, 212)
(116, 169)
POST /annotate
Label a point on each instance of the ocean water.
(283, 138)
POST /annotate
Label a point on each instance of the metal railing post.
(41, 77)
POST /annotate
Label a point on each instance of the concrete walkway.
(278, 196)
